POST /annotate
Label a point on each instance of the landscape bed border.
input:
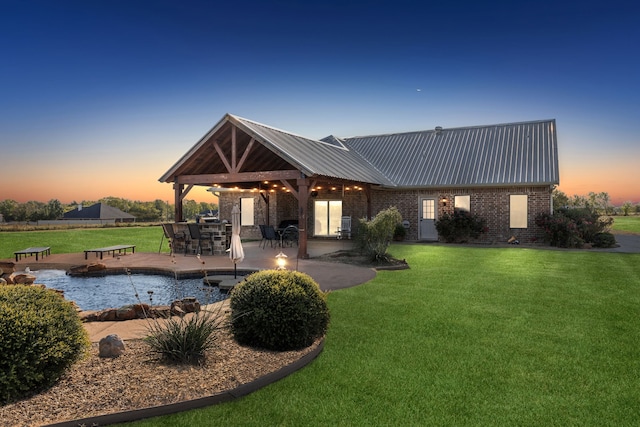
(187, 405)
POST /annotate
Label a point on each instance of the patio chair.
(268, 235)
(172, 238)
(196, 234)
(345, 228)
(290, 235)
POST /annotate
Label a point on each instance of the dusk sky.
(100, 98)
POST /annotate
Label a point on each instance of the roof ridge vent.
(438, 130)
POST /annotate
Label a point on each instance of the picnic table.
(38, 250)
(113, 249)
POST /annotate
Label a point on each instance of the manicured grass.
(146, 239)
(467, 336)
(627, 224)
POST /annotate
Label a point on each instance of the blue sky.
(100, 98)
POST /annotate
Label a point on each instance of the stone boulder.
(22, 278)
(7, 267)
(80, 270)
(111, 346)
(185, 305)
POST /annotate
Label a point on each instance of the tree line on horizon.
(155, 211)
(599, 202)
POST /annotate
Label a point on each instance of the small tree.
(626, 208)
(375, 236)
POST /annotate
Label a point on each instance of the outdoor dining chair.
(173, 237)
(268, 235)
(290, 235)
(200, 236)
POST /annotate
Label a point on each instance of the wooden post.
(303, 198)
(178, 200)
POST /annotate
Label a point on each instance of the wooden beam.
(222, 156)
(233, 149)
(222, 178)
(245, 154)
(290, 188)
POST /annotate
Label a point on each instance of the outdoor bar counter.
(220, 238)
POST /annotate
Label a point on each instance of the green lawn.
(467, 337)
(627, 224)
(146, 239)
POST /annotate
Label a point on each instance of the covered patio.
(281, 173)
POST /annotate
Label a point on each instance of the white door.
(428, 220)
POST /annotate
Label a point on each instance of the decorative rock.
(2, 281)
(88, 316)
(107, 315)
(7, 267)
(186, 305)
(127, 312)
(176, 310)
(142, 310)
(23, 278)
(111, 346)
(81, 270)
(96, 266)
(160, 311)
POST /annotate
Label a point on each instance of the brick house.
(504, 173)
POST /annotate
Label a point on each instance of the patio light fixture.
(281, 260)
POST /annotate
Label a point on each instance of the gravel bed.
(137, 379)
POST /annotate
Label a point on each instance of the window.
(462, 203)
(518, 211)
(327, 215)
(246, 211)
(428, 209)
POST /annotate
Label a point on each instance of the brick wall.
(492, 204)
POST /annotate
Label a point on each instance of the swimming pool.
(113, 291)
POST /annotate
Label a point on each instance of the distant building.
(99, 211)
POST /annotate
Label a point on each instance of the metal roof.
(314, 157)
(505, 154)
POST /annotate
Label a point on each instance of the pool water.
(113, 291)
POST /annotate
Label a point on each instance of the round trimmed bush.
(42, 336)
(604, 240)
(278, 310)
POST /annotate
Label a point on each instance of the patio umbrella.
(236, 253)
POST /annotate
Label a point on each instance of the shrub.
(278, 310)
(460, 227)
(185, 339)
(604, 240)
(399, 233)
(374, 236)
(572, 227)
(42, 336)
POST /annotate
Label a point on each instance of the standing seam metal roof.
(521, 153)
(506, 154)
(316, 157)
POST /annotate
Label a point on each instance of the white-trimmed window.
(462, 203)
(518, 210)
(247, 210)
(327, 215)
